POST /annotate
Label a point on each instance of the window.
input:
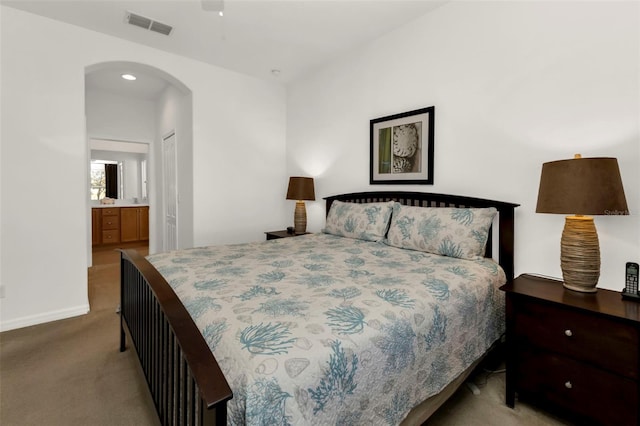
(98, 186)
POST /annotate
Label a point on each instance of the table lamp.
(581, 186)
(300, 189)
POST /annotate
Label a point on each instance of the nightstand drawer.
(568, 385)
(609, 344)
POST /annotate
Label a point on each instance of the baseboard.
(44, 317)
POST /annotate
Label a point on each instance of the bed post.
(506, 238)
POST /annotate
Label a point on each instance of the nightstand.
(274, 235)
(576, 354)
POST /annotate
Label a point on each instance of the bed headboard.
(506, 213)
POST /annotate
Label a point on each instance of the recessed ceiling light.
(129, 77)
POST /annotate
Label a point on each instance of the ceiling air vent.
(148, 23)
(161, 28)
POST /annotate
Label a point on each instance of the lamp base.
(580, 254)
(300, 218)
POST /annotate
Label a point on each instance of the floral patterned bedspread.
(326, 330)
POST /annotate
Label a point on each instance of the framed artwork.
(402, 148)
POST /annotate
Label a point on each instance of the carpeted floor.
(70, 372)
(488, 408)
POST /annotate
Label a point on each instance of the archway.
(143, 111)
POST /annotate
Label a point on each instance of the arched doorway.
(142, 112)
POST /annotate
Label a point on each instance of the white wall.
(238, 135)
(514, 84)
(44, 163)
(111, 116)
(239, 169)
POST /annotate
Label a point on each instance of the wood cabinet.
(134, 224)
(110, 219)
(96, 227)
(143, 224)
(111, 225)
(574, 353)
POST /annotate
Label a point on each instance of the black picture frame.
(401, 148)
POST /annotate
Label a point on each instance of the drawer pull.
(568, 385)
(568, 333)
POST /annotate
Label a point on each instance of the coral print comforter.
(327, 330)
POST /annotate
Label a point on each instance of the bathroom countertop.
(103, 206)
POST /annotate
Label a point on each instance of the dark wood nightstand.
(274, 235)
(576, 354)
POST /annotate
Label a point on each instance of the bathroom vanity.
(119, 224)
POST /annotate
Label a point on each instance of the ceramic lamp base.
(300, 218)
(580, 254)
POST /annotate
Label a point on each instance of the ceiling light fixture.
(129, 77)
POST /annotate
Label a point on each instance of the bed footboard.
(186, 383)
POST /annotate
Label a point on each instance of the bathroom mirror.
(118, 170)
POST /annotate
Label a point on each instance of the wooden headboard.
(506, 214)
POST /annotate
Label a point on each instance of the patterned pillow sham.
(368, 221)
(447, 231)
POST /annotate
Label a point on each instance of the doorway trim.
(170, 197)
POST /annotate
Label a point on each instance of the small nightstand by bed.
(574, 353)
(274, 235)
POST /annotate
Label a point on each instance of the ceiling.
(254, 37)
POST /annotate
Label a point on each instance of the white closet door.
(170, 189)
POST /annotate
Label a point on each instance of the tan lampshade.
(301, 188)
(584, 186)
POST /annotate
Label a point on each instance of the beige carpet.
(488, 408)
(71, 372)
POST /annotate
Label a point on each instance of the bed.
(376, 320)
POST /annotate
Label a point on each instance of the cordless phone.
(631, 282)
